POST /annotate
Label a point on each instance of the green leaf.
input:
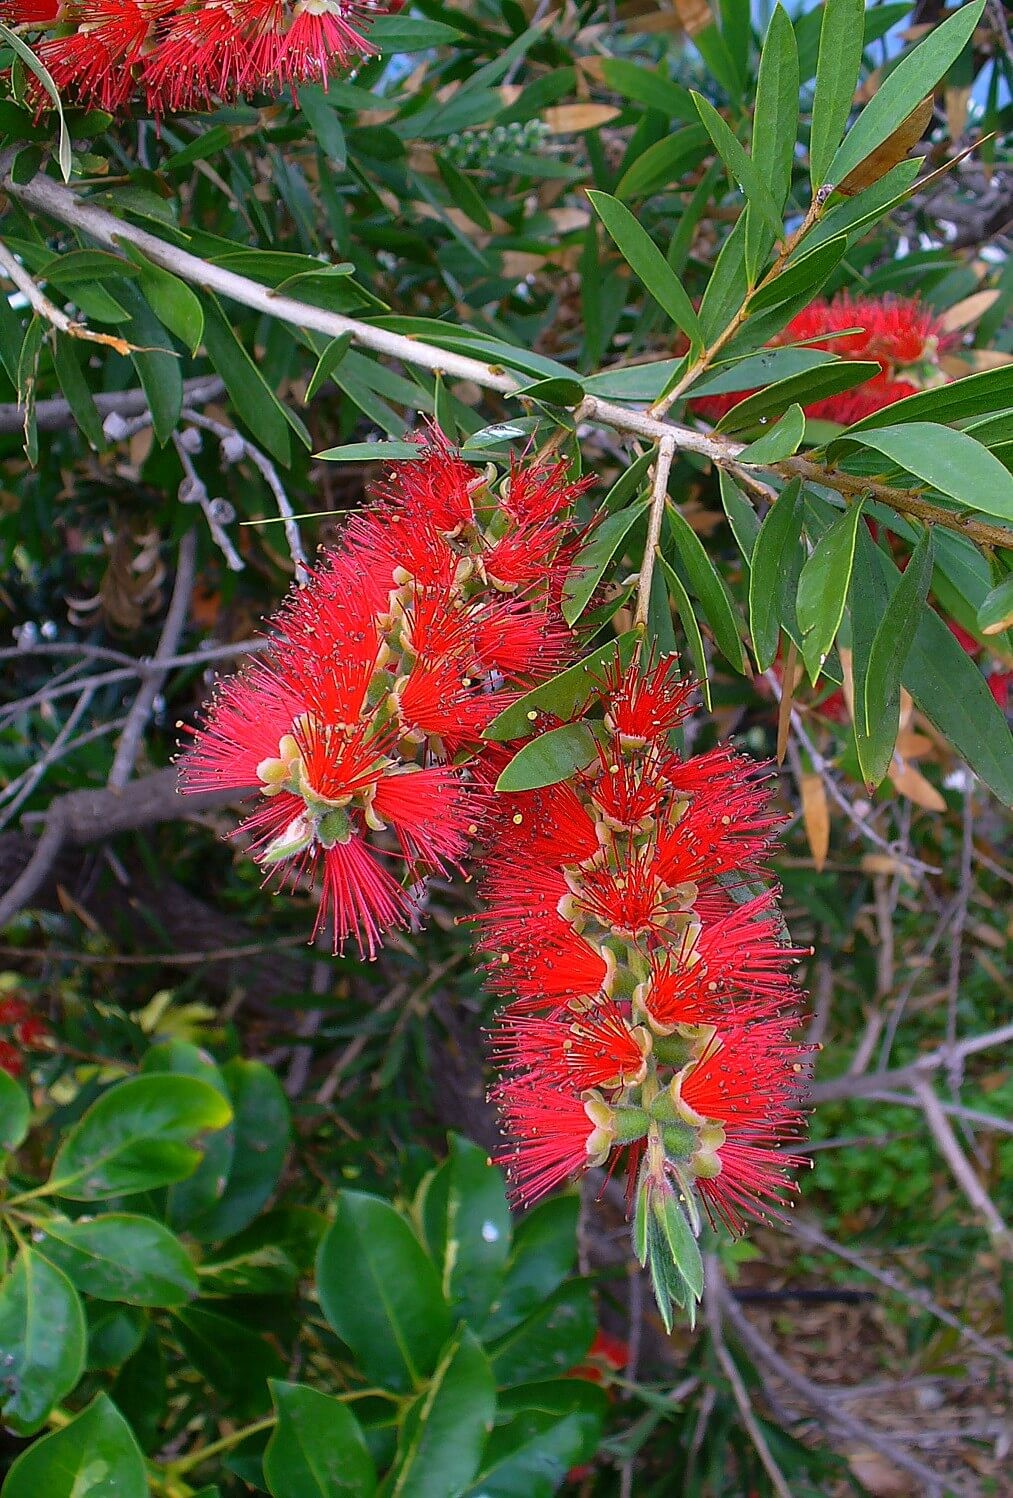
(543, 1254)
(171, 300)
(842, 39)
(441, 1440)
(42, 1335)
(914, 76)
(944, 682)
(256, 404)
(563, 694)
(324, 123)
(372, 452)
(591, 562)
(552, 1340)
(784, 438)
(742, 167)
(975, 395)
(198, 1192)
(645, 259)
(662, 163)
(155, 360)
(95, 1456)
(772, 572)
(327, 363)
(15, 1112)
(121, 1257)
(680, 1242)
(317, 1449)
(742, 518)
(463, 192)
(64, 151)
(950, 461)
(823, 588)
(467, 1226)
(812, 385)
(710, 588)
(758, 370)
(262, 1127)
(996, 612)
(553, 392)
(136, 1136)
(381, 1293)
(552, 757)
(648, 86)
(236, 1361)
(67, 364)
(775, 117)
(408, 34)
(684, 608)
(551, 1427)
(802, 276)
(878, 679)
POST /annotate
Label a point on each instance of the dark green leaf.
(15, 1112)
(463, 192)
(802, 276)
(643, 256)
(649, 86)
(67, 364)
(543, 1253)
(551, 1341)
(467, 1227)
(662, 163)
(262, 1128)
(552, 1427)
(784, 438)
(996, 612)
(742, 517)
(317, 1449)
(381, 1293)
(552, 757)
(840, 59)
(155, 360)
(564, 694)
(172, 301)
(327, 363)
(256, 403)
(710, 588)
(758, 370)
(95, 1456)
(877, 721)
(441, 1440)
(950, 461)
(812, 385)
(235, 1360)
(914, 76)
(684, 608)
(42, 1337)
(187, 1199)
(976, 395)
(591, 561)
(772, 571)
(553, 392)
(324, 123)
(372, 452)
(823, 588)
(121, 1257)
(741, 166)
(775, 117)
(410, 34)
(137, 1136)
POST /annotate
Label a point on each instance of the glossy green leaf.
(773, 571)
(950, 461)
(802, 276)
(317, 1449)
(710, 588)
(552, 757)
(684, 608)
(643, 256)
(564, 694)
(198, 1192)
(914, 76)
(441, 1440)
(823, 588)
(262, 1128)
(975, 395)
(121, 1257)
(95, 1456)
(996, 612)
(236, 1361)
(775, 116)
(661, 164)
(878, 679)
(172, 301)
(140, 1391)
(742, 517)
(553, 1339)
(743, 168)
(543, 1430)
(256, 403)
(553, 391)
(543, 1253)
(840, 60)
(15, 1112)
(944, 682)
(591, 562)
(784, 438)
(115, 1332)
(42, 1337)
(381, 1292)
(467, 1226)
(137, 1135)
(811, 385)
(372, 452)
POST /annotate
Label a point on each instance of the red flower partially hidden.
(651, 1014)
(895, 331)
(361, 729)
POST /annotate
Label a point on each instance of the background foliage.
(241, 1251)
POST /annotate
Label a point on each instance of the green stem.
(224, 1443)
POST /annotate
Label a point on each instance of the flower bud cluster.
(473, 148)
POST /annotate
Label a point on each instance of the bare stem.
(659, 493)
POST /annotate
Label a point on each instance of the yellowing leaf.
(893, 150)
(912, 784)
(816, 818)
(966, 312)
(569, 119)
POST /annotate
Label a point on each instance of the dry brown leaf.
(848, 684)
(789, 681)
(987, 358)
(592, 67)
(893, 150)
(816, 818)
(956, 101)
(569, 119)
(519, 263)
(881, 863)
(911, 745)
(878, 1476)
(966, 312)
(695, 15)
(912, 784)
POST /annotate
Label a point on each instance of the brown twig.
(963, 1172)
(659, 495)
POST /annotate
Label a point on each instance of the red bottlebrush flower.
(10, 1061)
(999, 685)
(96, 61)
(637, 986)
(30, 12)
(303, 43)
(897, 332)
(361, 732)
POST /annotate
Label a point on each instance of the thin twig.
(17, 795)
(963, 1172)
(193, 490)
(47, 310)
(54, 415)
(659, 494)
(870, 1083)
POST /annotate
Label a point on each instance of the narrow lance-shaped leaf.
(775, 118)
(771, 570)
(643, 256)
(591, 561)
(823, 589)
(877, 724)
(682, 603)
(951, 461)
(742, 167)
(710, 589)
(840, 58)
(552, 757)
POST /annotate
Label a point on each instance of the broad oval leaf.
(552, 1340)
(591, 561)
(137, 1136)
(262, 1128)
(552, 757)
(466, 1220)
(121, 1257)
(563, 694)
(15, 1112)
(95, 1456)
(381, 1293)
(950, 461)
(543, 1254)
(542, 1431)
(441, 1440)
(42, 1341)
(317, 1449)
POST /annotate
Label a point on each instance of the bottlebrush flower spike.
(895, 331)
(360, 729)
(651, 1011)
(185, 54)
